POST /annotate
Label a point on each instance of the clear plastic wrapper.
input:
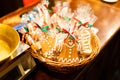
(63, 36)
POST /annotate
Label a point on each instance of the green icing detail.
(89, 25)
(45, 29)
(66, 18)
(63, 32)
(26, 29)
(50, 11)
(58, 29)
(29, 18)
(79, 22)
(69, 30)
(71, 37)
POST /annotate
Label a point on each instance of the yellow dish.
(9, 41)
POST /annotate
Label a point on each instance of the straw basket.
(70, 67)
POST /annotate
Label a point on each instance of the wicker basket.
(70, 67)
(53, 65)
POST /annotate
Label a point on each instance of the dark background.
(7, 6)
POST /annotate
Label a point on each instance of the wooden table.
(108, 16)
(108, 23)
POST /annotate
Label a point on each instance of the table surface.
(107, 22)
(108, 19)
(108, 16)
